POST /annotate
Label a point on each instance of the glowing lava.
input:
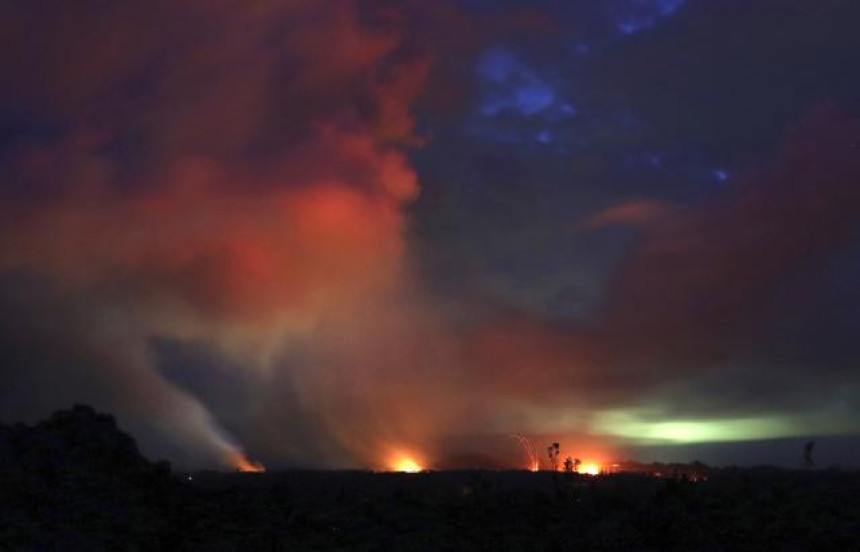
(405, 464)
(590, 469)
(244, 465)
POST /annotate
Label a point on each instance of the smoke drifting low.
(204, 228)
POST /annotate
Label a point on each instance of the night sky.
(338, 233)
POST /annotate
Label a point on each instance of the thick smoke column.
(221, 173)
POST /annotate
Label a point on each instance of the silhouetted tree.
(553, 452)
(808, 463)
(568, 465)
(94, 489)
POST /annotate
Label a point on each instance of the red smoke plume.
(220, 171)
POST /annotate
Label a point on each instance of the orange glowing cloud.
(632, 213)
(251, 197)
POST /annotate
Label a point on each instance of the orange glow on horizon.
(244, 465)
(405, 463)
(590, 468)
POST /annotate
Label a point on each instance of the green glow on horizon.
(627, 424)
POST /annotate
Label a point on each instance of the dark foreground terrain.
(75, 482)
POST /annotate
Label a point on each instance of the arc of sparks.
(529, 449)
